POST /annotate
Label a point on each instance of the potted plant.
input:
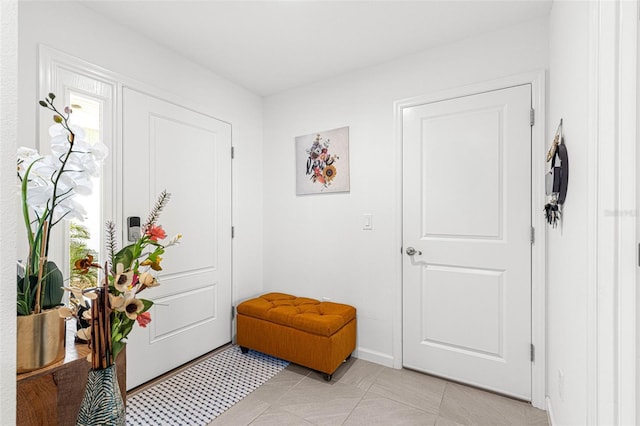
(48, 184)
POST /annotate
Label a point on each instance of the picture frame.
(322, 162)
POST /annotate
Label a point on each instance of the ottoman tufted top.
(302, 313)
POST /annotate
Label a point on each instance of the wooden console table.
(52, 395)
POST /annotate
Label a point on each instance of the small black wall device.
(133, 228)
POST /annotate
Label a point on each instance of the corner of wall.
(550, 417)
(8, 212)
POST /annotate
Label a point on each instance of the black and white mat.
(202, 392)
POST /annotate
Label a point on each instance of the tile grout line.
(446, 385)
(354, 407)
(282, 396)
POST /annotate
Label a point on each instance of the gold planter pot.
(41, 340)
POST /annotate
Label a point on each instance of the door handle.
(411, 251)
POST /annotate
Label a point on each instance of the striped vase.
(102, 403)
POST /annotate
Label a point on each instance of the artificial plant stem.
(27, 221)
(94, 336)
(25, 207)
(101, 345)
(106, 328)
(107, 309)
(41, 264)
(57, 179)
(71, 139)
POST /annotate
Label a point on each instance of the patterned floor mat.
(201, 393)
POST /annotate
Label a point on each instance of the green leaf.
(52, 292)
(42, 103)
(147, 304)
(26, 294)
(52, 96)
(124, 256)
(23, 309)
(117, 347)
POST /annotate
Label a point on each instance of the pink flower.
(156, 233)
(143, 319)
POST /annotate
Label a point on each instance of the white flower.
(84, 333)
(77, 293)
(26, 156)
(84, 162)
(57, 131)
(116, 302)
(123, 279)
(148, 280)
(65, 312)
(99, 151)
(131, 307)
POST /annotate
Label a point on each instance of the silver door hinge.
(233, 232)
(533, 353)
(233, 152)
(233, 312)
(533, 235)
(532, 116)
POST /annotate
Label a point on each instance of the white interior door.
(467, 214)
(166, 146)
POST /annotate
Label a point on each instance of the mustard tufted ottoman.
(318, 335)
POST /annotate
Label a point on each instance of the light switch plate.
(367, 222)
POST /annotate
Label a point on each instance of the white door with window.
(166, 146)
(467, 239)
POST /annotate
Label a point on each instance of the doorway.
(468, 263)
(158, 144)
(167, 146)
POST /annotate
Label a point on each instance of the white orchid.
(52, 173)
(48, 186)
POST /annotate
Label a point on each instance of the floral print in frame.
(322, 162)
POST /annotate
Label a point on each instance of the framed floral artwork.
(322, 162)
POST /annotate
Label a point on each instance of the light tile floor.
(364, 393)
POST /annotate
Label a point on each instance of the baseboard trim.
(550, 413)
(374, 356)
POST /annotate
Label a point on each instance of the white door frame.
(51, 64)
(538, 249)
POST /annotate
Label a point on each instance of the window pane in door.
(85, 237)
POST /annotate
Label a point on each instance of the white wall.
(567, 263)
(315, 245)
(8, 207)
(78, 31)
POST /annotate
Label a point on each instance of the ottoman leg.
(327, 377)
(244, 350)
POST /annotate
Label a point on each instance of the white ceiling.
(270, 46)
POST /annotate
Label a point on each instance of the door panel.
(466, 208)
(444, 309)
(466, 211)
(187, 153)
